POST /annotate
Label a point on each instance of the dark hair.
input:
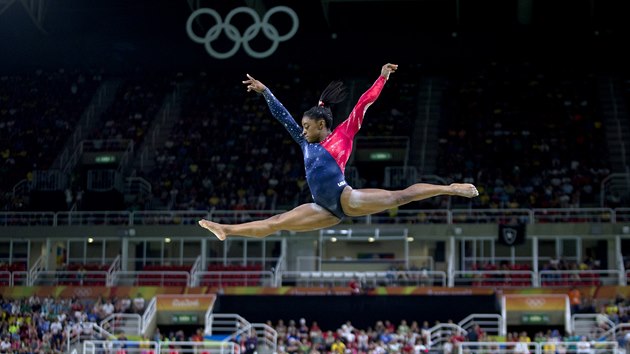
(335, 92)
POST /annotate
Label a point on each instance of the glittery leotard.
(325, 162)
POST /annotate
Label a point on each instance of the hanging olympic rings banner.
(238, 37)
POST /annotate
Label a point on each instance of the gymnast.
(326, 153)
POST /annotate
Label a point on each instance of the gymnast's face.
(314, 130)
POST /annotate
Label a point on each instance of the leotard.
(325, 162)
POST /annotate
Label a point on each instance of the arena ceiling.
(123, 32)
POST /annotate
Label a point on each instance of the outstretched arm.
(353, 123)
(276, 108)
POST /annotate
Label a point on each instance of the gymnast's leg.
(306, 217)
(359, 202)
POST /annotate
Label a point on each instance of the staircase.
(591, 325)
(614, 109)
(102, 99)
(160, 129)
(616, 121)
(424, 139)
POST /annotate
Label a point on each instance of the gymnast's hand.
(253, 84)
(388, 69)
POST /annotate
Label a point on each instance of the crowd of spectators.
(525, 134)
(42, 324)
(39, 111)
(528, 135)
(412, 338)
(227, 152)
(134, 108)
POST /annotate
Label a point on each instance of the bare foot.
(464, 190)
(213, 227)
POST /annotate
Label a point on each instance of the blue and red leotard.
(325, 162)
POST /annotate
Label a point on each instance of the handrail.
(592, 322)
(19, 277)
(493, 278)
(155, 278)
(439, 334)
(494, 326)
(594, 347)
(149, 314)
(38, 266)
(269, 335)
(6, 278)
(374, 278)
(616, 332)
(133, 346)
(129, 323)
(70, 277)
(235, 277)
(578, 277)
(208, 321)
(234, 323)
(112, 270)
(102, 332)
(196, 268)
(278, 269)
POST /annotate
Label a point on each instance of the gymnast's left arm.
(352, 124)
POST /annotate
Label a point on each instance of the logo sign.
(509, 235)
(512, 235)
(185, 302)
(533, 302)
(241, 37)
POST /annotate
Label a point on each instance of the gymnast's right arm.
(276, 108)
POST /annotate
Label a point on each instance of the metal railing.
(114, 268)
(196, 268)
(38, 267)
(267, 336)
(493, 278)
(591, 325)
(74, 277)
(373, 279)
(20, 278)
(152, 278)
(490, 324)
(6, 278)
(441, 333)
(228, 325)
(419, 216)
(591, 347)
(458, 278)
(149, 314)
(112, 346)
(80, 218)
(233, 278)
(617, 332)
(128, 323)
(153, 347)
(19, 218)
(551, 278)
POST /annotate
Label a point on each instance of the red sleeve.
(352, 124)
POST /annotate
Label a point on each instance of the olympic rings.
(535, 302)
(235, 35)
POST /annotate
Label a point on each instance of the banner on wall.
(536, 309)
(512, 234)
(185, 302)
(183, 309)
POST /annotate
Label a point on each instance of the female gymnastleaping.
(325, 155)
